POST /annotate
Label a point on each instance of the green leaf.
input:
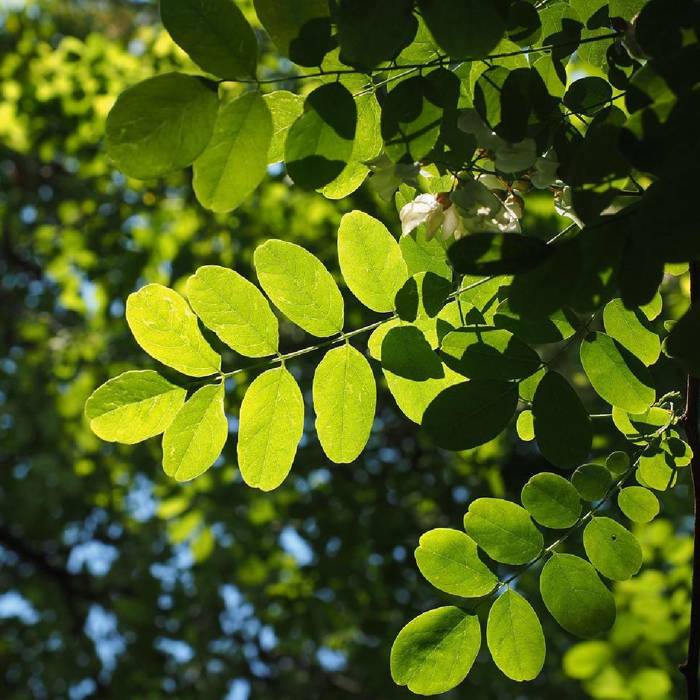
(422, 297)
(285, 108)
(320, 143)
(373, 31)
(525, 426)
(630, 328)
(345, 397)
(133, 407)
(235, 161)
(470, 414)
(481, 23)
(617, 376)
(682, 342)
(612, 549)
(423, 255)
(497, 253)
(160, 125)
(449, 561)
(638, 427)
(300, 29)
(536, 331)
(679, 452)
(376, 338)
(656, 470)
(617, 463)
(271, 425)
(515, 638)
(503, 530)
(164, 326)
(639, 504)
(414, 373)
(562, 426)
(587, 95)
(435, 651)
(235, 310)
(551, 500)
(214, 33)
(300, 287)
(488, 353)
(370, 260)
(367, 145)
(592, 481)
(576, 597)
(195, 438)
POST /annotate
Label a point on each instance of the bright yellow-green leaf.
(194, 440)
(448, 559)
(515, 638)
(271, 425)
(285, 108)
(133, 407)
(345, 397)
(235, 161)
(630, 328)
(639, 504)
(551, 500)
(300, 287)
(165, 327)
(235, 310)
(435, 651)
(370, 260)
(612, 549)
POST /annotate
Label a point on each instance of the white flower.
(483, 211)
(424, 209)
(515, 157)
(545, 174)
(564, 205)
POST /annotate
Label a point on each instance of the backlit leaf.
(551, 500)
(630, 328)
(592, 481)
(639, 504)
(612, 549)
(285, 108)
(497, 253)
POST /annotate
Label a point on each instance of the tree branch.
(689, 421)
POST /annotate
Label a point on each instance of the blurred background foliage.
(116, 582)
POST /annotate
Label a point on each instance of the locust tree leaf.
(235, 161)
(285, 108)
(592, 481)
(562, 426)
(576, 597)
(164, 326)
(630, 328)
(134, 406)
(449, 561)
(195, 438)
(639, 504)
(160, 125)
(345, 397)
(214, 33)
(617, 376)
(435, 651)
(612, 549)
(497, 253)
(504, 530)
(235, 310)
(551, 500)
(370, 260)
(300, 287)
(515, 638)
(271, 423)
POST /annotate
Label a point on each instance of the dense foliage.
(497, 329)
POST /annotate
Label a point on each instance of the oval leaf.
(214, 33)
(195, 438)
(448, 559)
(319, 144)
(562, 426)
(630, 328)
(345, 398)
(160, 125)
(471, 413)
(515, 638)
(235, 161)
(133, 407)
(300, 287)
(503, 530)
(592, 481)
(164, 326)
(370, 260)
(285, 108)
(617, 376)
(576, 597)
(639, 504)
(551, 500)
(435, 651)
(612, 549)
(271, 425)
(235, 310)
